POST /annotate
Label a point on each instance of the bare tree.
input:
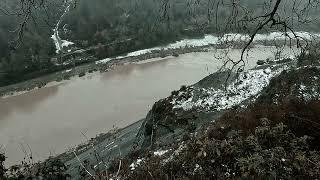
(228, 16)
(284, 16)
(27, 12)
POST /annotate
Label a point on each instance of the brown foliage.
(302, 118)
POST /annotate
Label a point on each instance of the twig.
(119, 163)
(83, 165)
(97, 155)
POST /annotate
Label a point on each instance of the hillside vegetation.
(109, 28)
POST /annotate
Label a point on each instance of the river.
(50, 120)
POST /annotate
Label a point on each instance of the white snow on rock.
(197, 168)
(309, 93)
(288, 35)
(68, 70)
(181, 148)
(134, 165)
(205, 41)
(59, 43)
(103, 61)
(160, 152)
(56, 42)
(140, 52)
(271, 36)
(213, 40)
(247, 86)
(66, 43)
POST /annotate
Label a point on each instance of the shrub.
(270, 152)
(53, 169)
(183, 88)
(305, 59)
(82, 74)
(174, 93)
(303, 118)
(2, 168)
(175, 54)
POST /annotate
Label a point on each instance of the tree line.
(145, 23)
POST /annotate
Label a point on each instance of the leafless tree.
(26, 12)
(269, 15)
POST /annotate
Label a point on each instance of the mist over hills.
(122, 25)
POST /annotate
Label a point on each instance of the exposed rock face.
(277, 132)
(164, 123)
(189, 108)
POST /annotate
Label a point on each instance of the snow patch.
(175, 153)
(309, 93)
(69, 70)
(247, 86)
(271, 36)
(103, 61)
(213, 40)
(160, 152)
(60, 44)
(66, 43)
(197, 168)
(134, 165)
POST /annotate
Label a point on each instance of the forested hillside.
(120, 26)
(31, 51)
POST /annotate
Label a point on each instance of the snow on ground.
(309, 93)
(60, 44)
(160, 152)
(283, 36)
(175, 153)
(205, 41)
(247, 86)
(134, 165)
(56, 42)
(213, 40)
(103, 61)
(271, 36)
(66, 43)
(140, 52)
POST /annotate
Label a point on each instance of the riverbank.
(178, 127)
(180, 124)
(98, 66)
(181, 116)
(60, 118)
(101, 152)
(228, 41)
(257, 128)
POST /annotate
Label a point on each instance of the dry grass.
(298, 115)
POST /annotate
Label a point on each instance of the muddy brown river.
(50, 120)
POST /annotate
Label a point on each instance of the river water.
(50, 120)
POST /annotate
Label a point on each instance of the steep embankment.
(264, 126)
(192, 107)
